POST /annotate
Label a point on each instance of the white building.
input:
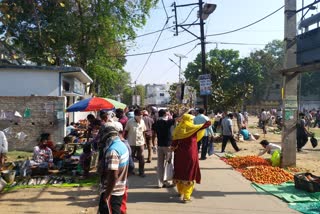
(157, 94)
(46, 91)
(43, 81)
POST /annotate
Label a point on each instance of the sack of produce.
(275, 158)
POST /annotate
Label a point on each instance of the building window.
(66, 86)
(161, 94)
(277, 86)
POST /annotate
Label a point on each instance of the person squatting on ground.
(246, 134)
(186, 161)
(162, 131)
(148, 121)
(42, 155)
(203, 143)
(227, 133)
(135, 134)
(269, 148)
(114, 170)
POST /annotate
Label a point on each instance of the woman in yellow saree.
(186, 161)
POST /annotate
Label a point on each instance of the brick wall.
(46, 115)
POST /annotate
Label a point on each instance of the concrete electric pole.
(290, 80)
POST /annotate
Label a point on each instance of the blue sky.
(229, 15)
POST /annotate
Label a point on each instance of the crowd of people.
(119, 139)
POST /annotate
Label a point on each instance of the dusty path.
(222, 191)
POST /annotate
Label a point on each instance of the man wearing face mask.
(162, 131)
(135, 134)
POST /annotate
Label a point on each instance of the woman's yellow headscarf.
(186, 128)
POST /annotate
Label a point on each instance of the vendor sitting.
(58, 153)
(246, 134)
(269, 148)
(42, 155)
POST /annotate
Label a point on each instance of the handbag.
(168, 171)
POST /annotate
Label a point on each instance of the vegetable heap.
(267, 175)
(257, 169)
(246, 161)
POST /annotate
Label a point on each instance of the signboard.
(291, 102)
(205, 86)
(204, 76)
(78, 87)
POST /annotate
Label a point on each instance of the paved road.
(222, 191)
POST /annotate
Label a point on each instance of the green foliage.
(142, 92)
(127, 95)
(271, 61)
(232, 78)
(75, 33)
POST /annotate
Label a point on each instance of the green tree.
(141, 91)
(75, 33)
(271, 61)
(232, 78)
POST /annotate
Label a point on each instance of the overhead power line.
(246, 26)
(154, 46)
(157, 51)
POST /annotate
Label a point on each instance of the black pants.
(203, 144)
(139, 151)
(225, 140)
(302, 140)
(113, 205)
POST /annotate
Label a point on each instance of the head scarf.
(186, 128)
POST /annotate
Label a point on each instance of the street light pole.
(204, 11)
(203, 52)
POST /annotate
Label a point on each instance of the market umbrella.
(116, 104)
(91, 104)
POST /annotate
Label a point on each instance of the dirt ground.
(308, 160)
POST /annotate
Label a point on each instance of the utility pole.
(290, 81)
(204, 12)
(203, 53)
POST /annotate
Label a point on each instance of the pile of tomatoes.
(267, 175)
(246, 161)
(259, 170)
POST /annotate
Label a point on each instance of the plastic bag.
(314, 142)
(275, 158)
(168, 171)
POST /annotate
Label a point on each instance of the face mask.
(138, 118)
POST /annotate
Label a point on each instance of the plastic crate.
(301, 182)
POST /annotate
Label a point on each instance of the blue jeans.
(203, 143)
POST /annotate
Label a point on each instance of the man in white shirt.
(135, 134)
(269, 148)
(3, 148)
(227, 133)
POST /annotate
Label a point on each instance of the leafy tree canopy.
(75, 33)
